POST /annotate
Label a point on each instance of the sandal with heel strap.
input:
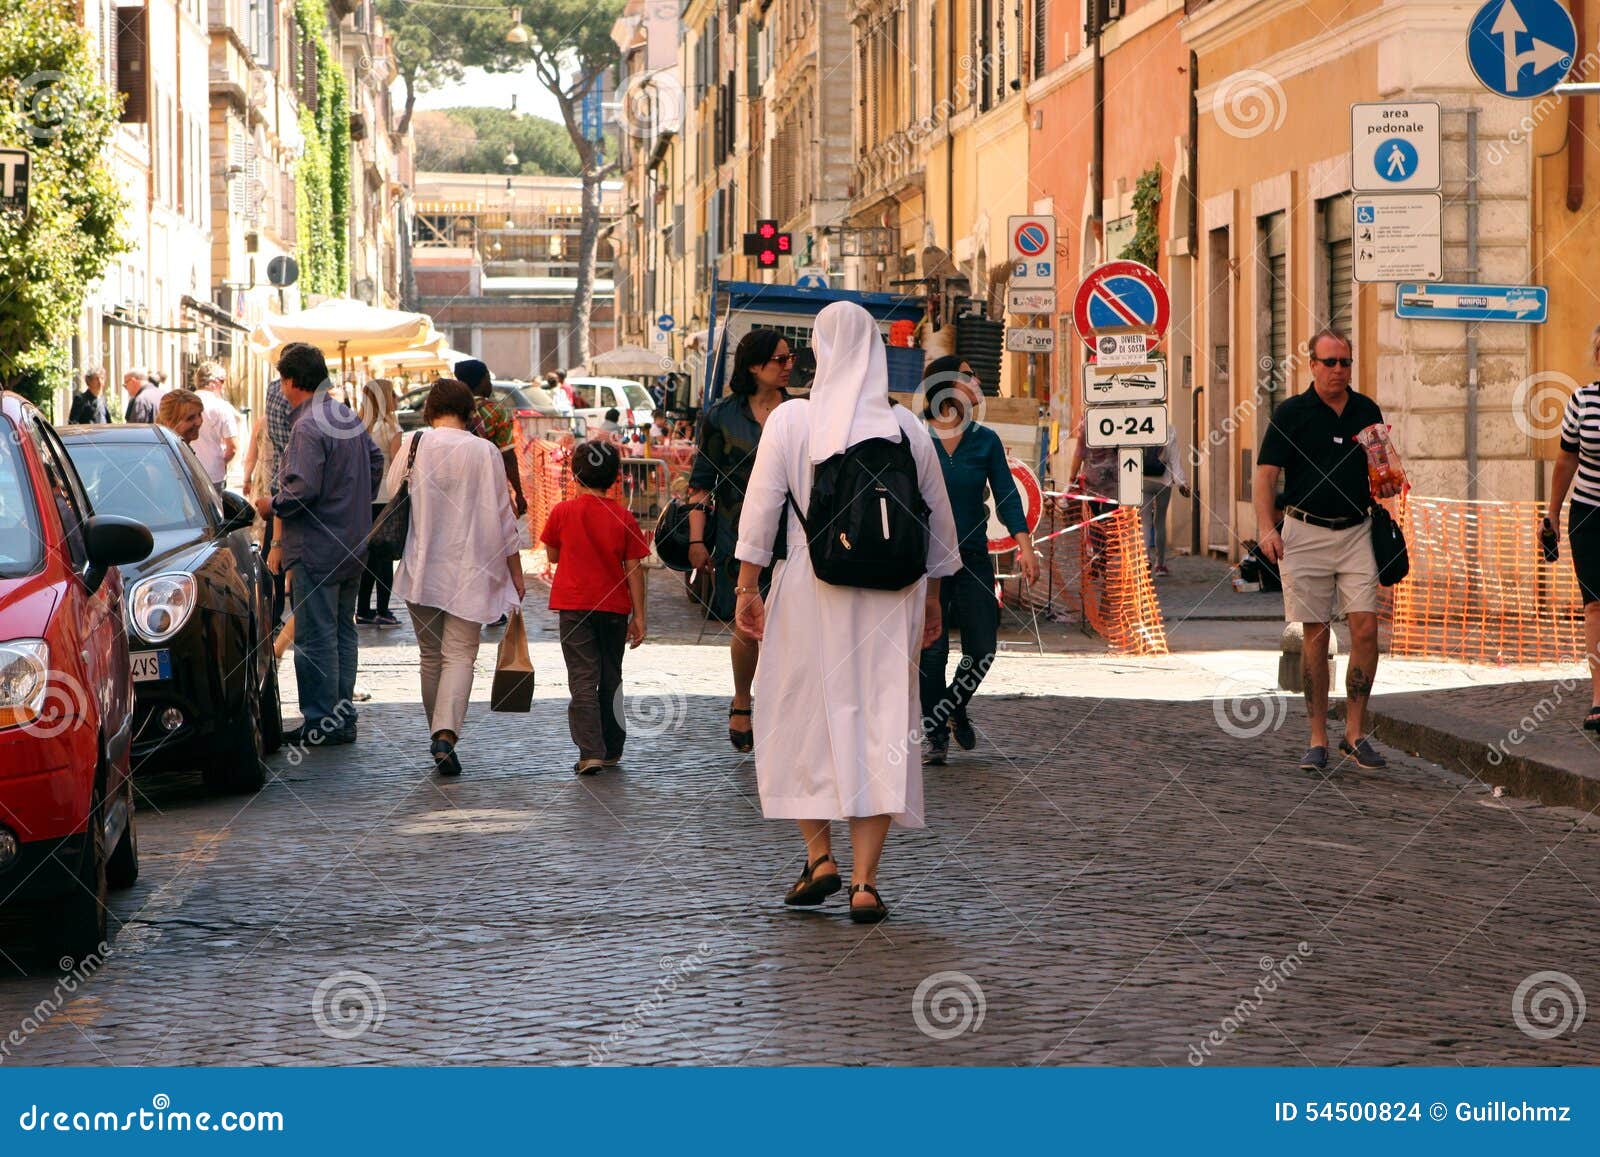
(811, 890)
(743, 741)
(878, 911)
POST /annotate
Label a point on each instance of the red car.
(66, 690)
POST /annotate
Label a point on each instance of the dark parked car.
(524, 403)
(199, 609)
(66, 698)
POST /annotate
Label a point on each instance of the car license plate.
(149, 666)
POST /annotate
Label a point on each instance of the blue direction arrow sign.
(1437, 301)
(1522, 48)
(665, 323)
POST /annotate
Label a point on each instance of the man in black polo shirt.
(1325, 551)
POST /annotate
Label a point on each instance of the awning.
(343, 329)
(212, 314)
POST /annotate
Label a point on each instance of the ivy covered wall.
(322, 178)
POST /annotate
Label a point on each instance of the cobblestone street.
(1109, 878)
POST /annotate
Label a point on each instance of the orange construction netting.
(546, 468)
(1479, 588)
(1095, 565)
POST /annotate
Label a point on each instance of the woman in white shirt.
(461, 567)
(838, 718)
(378, 417)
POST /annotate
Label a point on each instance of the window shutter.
(1040, 40)
(133, 79)
(308, 67)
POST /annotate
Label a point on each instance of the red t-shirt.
(595, 537)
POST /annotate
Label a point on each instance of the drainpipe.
(1575, 121)
(1472, 330)
(1196, 505)
(1098, 187)
(950, 138)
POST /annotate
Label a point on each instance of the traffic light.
(767, 245)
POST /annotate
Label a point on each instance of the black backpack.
(867, 525)
(1155, 461)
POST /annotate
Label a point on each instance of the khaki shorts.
(1325, 571)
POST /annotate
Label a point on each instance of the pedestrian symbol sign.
(1522, 48)
(1397, 160)
(1394, 147)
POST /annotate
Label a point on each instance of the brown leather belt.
(1344, 523)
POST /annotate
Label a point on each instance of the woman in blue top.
(974, 465)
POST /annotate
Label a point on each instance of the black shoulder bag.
(1389, 547)
(393, 527)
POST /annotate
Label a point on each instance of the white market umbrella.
(345, 329)
(628, 361)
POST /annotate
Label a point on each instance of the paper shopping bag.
(513, 671)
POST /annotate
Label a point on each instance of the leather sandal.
(811, 890)
(445, 760)
(743, 741)
(864, 915)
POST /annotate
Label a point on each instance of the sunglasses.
(1331, 362)
(780, 360)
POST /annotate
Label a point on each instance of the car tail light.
(24, 675)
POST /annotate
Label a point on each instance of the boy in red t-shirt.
(597, 548)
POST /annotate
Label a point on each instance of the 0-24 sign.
(1112, 426)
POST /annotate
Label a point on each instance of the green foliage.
(474, 140)
(322, 177)
(53, 104)
(1145, 246)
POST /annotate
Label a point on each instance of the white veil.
(850, 393)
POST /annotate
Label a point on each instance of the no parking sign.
(1125, 296)
(1033, 243)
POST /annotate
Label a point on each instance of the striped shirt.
(1580, 435)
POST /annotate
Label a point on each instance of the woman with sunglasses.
(974, 466)
(729, 435)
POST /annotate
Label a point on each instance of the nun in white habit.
(837, 719)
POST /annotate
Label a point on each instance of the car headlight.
(158, 606)
(24, 673)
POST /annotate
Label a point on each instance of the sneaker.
(1161, 572)
(1315, 759)
(1364, 753)
(961, 728)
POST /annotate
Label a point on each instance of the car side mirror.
(113, 541)
(237, 513)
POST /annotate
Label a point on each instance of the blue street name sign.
(1522, 48)
(1437, 301)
